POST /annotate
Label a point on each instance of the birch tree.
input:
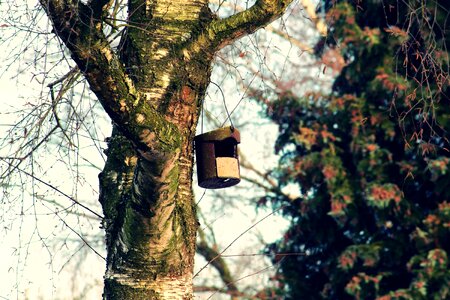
(152, 86)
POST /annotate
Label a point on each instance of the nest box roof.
(220, 135)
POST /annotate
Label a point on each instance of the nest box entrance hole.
(226, 148)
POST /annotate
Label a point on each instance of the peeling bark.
(152, 90)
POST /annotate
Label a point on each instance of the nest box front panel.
(227, 167)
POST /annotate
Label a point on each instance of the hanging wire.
(226, 108)
(202, 116)
(244, 94)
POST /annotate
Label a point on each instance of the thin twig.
(81, 237)
(54, 188)
(238, 237)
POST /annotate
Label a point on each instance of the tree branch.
(212, 255)
(223, 32)
(76, 25)
(100, 7)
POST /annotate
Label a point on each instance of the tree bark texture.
(152, 87)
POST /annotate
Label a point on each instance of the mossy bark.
(152, 90)
(152, 245)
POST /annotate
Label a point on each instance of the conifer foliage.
(371, 160)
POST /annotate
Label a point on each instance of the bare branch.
(267, 184)
(53, 188)
(238, 237)
(71, 77)
(233, 294)
(212, 255)
(81, 237)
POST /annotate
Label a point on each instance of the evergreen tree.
(371, 160)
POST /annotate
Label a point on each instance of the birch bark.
(152, 87)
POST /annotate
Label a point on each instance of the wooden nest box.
(217, 158)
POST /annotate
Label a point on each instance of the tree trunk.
(151, 246)
(150, 225)
(152, 88)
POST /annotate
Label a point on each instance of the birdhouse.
(217, 158)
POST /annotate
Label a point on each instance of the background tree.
(152, 84)
(371, 160)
